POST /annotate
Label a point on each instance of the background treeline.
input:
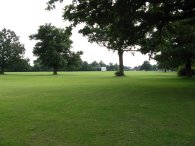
(23, 65)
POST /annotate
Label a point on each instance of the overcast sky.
(25, 16)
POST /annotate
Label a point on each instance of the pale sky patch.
(25, 16)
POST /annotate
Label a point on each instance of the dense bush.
(119, 74)
(182, 71)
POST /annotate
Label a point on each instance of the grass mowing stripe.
(96, 108)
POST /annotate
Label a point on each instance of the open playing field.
(96, 108)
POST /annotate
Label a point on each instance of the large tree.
(105, 23)
(181, 50)
(172, 46)
(171, 34)
(11, 50)
(119, 24)
(53, 46)
(162, 12)
(160, 18)
(147, 13)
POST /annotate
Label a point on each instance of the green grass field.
(96, 108)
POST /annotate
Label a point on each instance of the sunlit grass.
(96, 108)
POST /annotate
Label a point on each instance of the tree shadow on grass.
(39, 74)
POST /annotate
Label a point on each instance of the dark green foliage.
(76, 64)
(74, 61)
(53, 47)
(21, 65)
(120, 25)
(161, 13)
(85, 66)
(102, 64)
(11, 50)
(119, 74)
(121, 16)
(183, 72)
(146, 66)
(171, 37)
(104, 23)
(155, 67)
(166, 61)
(172, 46)
(39, 66)
(95, 66)
(112, 67)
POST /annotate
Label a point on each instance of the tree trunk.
(165, 70)
(188, 67)
(2, 70)
(121, 67)
(55, 72)
(2, 64)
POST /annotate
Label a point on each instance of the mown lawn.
(96, 108)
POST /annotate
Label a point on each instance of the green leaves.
(53, 46)
(11, 50)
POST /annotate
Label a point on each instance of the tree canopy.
(120, 25)
(11, 50)
(53, 46)
(21, 65)
(146, 66)
(104, 24)
(180, 48)
(146, 13)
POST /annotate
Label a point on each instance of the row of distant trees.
(146, 66)
(80, 66)
(23, 65)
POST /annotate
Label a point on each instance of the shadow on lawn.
(39, 74)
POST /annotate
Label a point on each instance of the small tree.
(11, 50)
(53, 46)
(146, 66)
